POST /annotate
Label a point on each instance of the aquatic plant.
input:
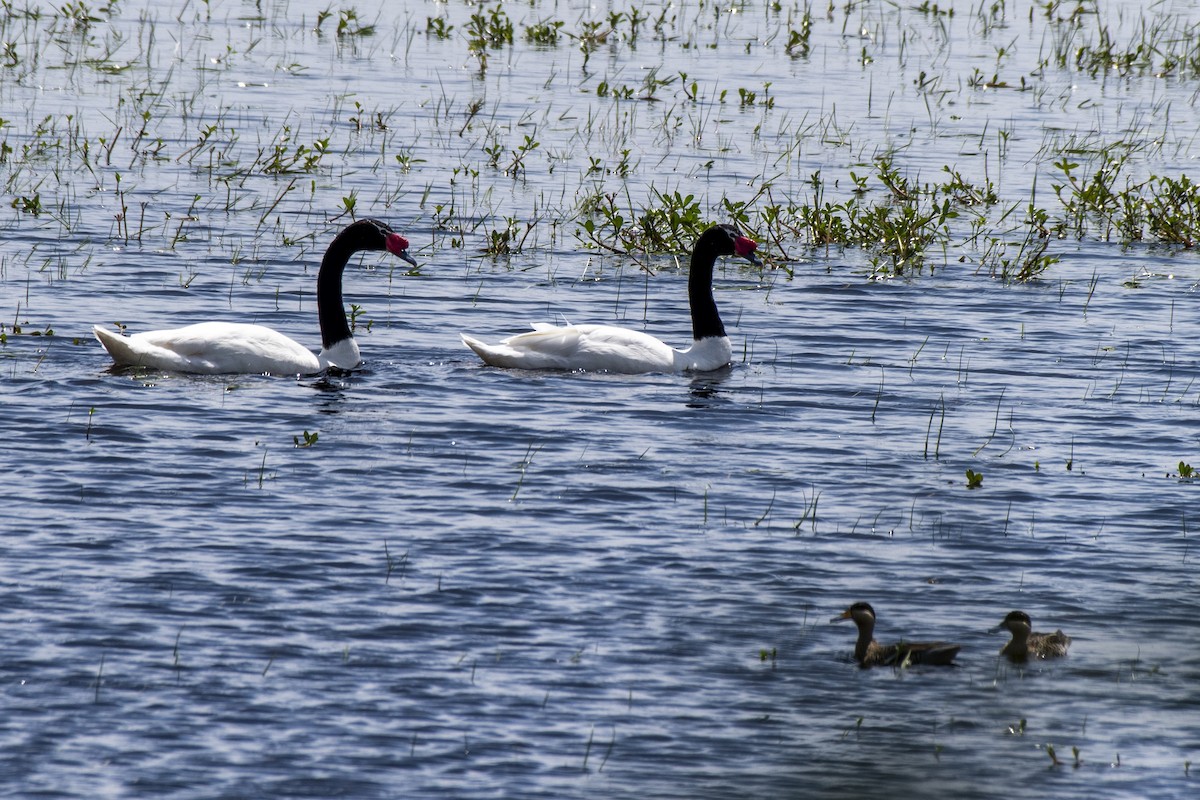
(860, 194)
(488, 30)
(348, 23)
(799, 39)
(310, 439)
(392, 562)
(544, 33)
(438, 27)
(809, 513)
(524, 465)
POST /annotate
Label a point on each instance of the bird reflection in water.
(704, 390)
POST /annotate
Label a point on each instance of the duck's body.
(1026, 644)
(614, 349)
(870, 653)
(214, 348)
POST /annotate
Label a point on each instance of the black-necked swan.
(214, 348)
(608, 348)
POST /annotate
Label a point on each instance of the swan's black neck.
(706, 322)
(331, 313)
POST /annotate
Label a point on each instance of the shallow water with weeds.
(433, 578)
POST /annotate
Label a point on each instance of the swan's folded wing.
(593, 348)
(548, 339)
(125, 351)
(141, 350)
(212, 348)
(543, 348)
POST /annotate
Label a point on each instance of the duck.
(870, 653)
(216, 348)
(610, 348)
(1026, 644)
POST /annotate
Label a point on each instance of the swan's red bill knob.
(397, 245)
(745, 248)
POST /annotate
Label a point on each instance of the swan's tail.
(499, 355)
(118, 346)
(545, 347)
(482, 349)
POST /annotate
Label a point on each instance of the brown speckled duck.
(870, 653)
(1026, 644)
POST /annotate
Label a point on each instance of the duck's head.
(1017, 622)
(861, 613)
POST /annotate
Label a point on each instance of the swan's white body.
(600, 348)
(217, 348)
(607, 348)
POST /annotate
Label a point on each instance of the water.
(481, 583)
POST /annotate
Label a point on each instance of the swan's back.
(592, 348)
(212, 348)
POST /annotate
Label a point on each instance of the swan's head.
(391, 241)
(729, 241)
(861, 613)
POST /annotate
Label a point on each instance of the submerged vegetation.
(624, 163)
